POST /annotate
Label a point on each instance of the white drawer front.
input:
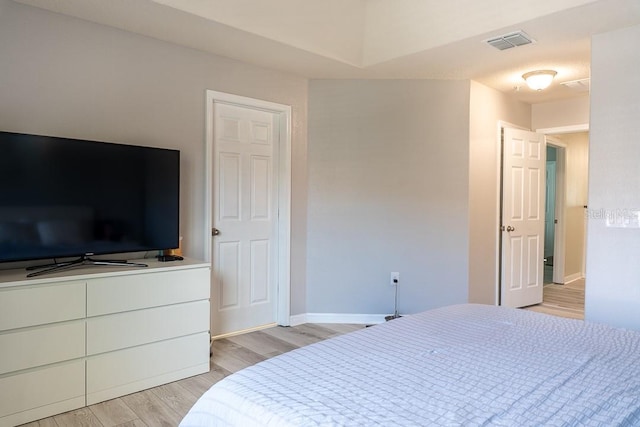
(126, 371)
(46, 386)
(123, 293)
(28, 348)
(30, 306)
(117, 331)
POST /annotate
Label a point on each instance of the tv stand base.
(82, 261)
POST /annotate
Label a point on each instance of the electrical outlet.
(394, 279)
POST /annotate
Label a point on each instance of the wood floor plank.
(341, 328)
(576, 284)
(563, 300)
(262, 343)
(293, 335)
(47, 422)
(113, 412)
(151, 409)
(200, 383)
(560, 312)
(176, 397)
(82, 417)
(316, 330)
(233, 357)
(134, 423)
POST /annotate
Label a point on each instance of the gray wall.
(66, 77)
(613, 254)
(388, 191)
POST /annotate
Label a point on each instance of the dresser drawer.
(28, 348)
(37, 305)
(124, 293)
(117, 331)
(59, 388)
(126, 371)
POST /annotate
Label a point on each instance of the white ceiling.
(422, 39)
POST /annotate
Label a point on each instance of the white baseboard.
(573, 277)
(297, 319)
(244, 331)
(354, 318)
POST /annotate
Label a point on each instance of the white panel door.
(523, 206)
(245, 207)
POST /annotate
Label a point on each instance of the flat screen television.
(69, 198)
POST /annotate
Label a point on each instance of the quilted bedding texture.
(463, 365)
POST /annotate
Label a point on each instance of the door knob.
(510, 228)
(215, 232)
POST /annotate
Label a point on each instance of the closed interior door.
(245, 245)
(523, 206)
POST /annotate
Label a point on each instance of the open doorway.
(555, 209)
(567, 247)
(564, 296)
(550, 220)
(565, 225)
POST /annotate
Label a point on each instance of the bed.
(463, 365)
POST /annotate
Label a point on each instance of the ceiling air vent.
(581, 85)
(510, 40)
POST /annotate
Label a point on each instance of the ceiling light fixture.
(540, 79)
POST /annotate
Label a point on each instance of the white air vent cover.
(581, 85)
(510, 40)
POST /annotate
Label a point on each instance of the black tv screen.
(63, 197)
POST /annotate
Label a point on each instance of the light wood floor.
(168, 404)
(562, 300)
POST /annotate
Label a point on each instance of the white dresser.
(95, 333)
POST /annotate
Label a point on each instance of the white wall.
(576, 176)
(487, 107)
(566, 112)
(613, 254)
(292, 22)
(66, 77)
(388, 191)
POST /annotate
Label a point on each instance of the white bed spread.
(464, 365)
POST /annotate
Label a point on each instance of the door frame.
(283, 286)
(559, 236)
